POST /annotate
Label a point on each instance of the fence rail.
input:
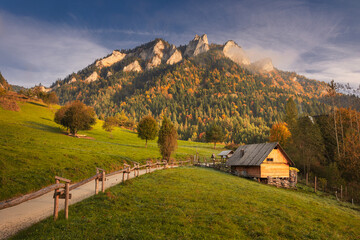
(62, 190)
(15, 201)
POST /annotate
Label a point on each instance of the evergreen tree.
(291, 113)
(214, 134)
(167, 138)
(147, 129)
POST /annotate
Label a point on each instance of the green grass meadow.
(199, 203)
(33, 149)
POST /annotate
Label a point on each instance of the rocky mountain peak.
(197, 45)
(236, 53)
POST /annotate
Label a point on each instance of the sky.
(42, 41)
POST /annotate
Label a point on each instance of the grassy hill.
(33, 149)
(197, 203)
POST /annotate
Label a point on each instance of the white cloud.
(296, 35)
(34, 52)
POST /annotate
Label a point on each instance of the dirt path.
(24, 215)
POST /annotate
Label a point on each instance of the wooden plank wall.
(279, 167)
(253, 171)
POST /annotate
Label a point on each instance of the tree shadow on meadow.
(43, 127)
(121, 144)
(38, 104)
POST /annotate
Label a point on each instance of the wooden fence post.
(126, 171)
(136, 165)
(307, 178)
(97, 181)
(67, 200)
(56, 201)
(103, 181)
(63, 195)
(315, 184)
(341, 193)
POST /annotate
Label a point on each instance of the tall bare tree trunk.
(336, 134)
(342, 133)
(358, 127)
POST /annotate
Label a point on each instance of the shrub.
(76, 116)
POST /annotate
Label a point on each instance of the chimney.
(242, 152)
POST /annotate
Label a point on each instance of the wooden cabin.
(262, 161)
(226, 154)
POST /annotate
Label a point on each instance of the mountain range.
(194, 84)
(157, 52)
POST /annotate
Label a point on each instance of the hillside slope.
(197, 203)
(3, 83)
(193, 92)
(34, 149)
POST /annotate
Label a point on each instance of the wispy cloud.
(297, 36)
(37, 52)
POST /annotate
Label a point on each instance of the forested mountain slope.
(193, 90)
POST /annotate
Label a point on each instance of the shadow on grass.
(121, 144)
(38, 104)
(43, 127)
(47, 119)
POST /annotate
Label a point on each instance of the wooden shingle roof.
(253, 154)
(224, 153)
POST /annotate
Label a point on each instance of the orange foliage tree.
(280, 133)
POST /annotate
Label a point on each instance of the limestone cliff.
(236, 53)
(92, 78)
(115, 57)
(174, 56)
(133, 67)
(197, 45)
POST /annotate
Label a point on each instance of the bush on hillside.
(76, 116)
(9, 104)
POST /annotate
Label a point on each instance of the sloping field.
(197, 203)
(33, 149)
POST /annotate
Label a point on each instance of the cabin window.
(270, 159)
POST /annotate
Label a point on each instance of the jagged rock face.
(43, 89)
(236, 53)
(133, 67)
(73, 79)
(92, 78)
(174, 56)
(115, 57)
(159, 53)
(3, 83)
(197, 45)
(153, 55)
(262, 66)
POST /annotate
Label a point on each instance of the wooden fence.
(62, 186)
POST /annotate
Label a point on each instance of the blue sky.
(42, 41)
